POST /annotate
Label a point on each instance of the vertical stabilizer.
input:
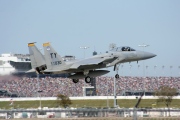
(37, 58)
(53, 59)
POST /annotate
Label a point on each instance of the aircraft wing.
(76, 65)
(91, 61)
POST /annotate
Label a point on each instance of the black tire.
(75, 80)
(117, 76)
(87, 79)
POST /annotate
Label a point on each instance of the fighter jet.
(89, 67)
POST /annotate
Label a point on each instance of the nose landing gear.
(116, 68)
(117, 76)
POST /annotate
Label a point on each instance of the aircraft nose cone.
(148, 55)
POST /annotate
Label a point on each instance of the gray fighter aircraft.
(86, 68)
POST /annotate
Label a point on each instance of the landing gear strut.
(116, 68)
(87, 78)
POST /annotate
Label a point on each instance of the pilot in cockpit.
(128, 49)
(125, 49)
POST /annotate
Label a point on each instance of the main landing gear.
(75, 80)
(116, 68)
(80, 75)
(87, 80)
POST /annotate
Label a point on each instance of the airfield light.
(146, 70)
(39, 91)
(84, 47)
(130, 68)
(155, 70)
(143, 45)
(114, 92)
(163, 69)
(107, 87)
(115, 101)
(171, 69)
(156, 76)
(138, 69)
(122, 69)
(155, 67)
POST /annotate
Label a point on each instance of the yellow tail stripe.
(30, 44)
(46, 44)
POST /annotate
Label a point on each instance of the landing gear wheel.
(87, 79)
(75, 80)
(117, 76)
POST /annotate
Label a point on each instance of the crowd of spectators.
(50, 87)
(105, 85)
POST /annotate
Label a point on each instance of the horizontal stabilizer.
(30, 71)
(56, 70)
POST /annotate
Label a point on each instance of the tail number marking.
(56, 63)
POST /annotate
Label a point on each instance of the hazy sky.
(70, 24)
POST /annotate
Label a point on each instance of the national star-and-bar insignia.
(48, 48)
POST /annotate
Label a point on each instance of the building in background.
(18, 64)
(14, 63)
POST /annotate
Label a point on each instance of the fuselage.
(104, 60)
(112, 58)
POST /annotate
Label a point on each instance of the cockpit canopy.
(123, 48)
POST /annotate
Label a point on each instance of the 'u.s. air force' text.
(56, 63)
